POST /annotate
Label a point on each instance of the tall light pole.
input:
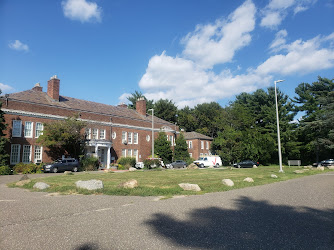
(152, 132)
(278, 132)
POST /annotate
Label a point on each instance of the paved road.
(295, 214)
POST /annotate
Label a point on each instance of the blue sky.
(189, 51)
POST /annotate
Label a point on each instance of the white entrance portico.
(101, 150)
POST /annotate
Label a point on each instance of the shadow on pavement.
(252, 225)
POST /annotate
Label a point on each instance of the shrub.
(151, 163)
(4, 170)
(90, 163)
(127, 162)
(121, 167)
(27, 168)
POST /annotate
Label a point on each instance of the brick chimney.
(122, 105)
(37, 87)
(141, 106)
(53, 88)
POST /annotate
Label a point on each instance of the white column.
(96, 151)
(108, 158)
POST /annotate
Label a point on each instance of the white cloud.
(5, 88)
(81, 10)
(217, 43)
(277, 10)
(17, 45)
(301, 57)
(279, 41)
(124, 98)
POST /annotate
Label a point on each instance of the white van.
(210, 160)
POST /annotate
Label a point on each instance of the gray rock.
(68, 173)
(228, 182)
(248, 179)
(24, 177)
(273, 176)
(254, 166)
(129, 184)
(298, 171)
(308, 167)
(132, 169)
(192, 166)
(41, 185)
(90, 184)
(330, 167)
(321, 168)
(190, 187)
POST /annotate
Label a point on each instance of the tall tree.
(166, 110)
(316, 101)
(181, 148)
(135, 96)
(186, 119)
(64, 137)
(162, 147)
(4, 156)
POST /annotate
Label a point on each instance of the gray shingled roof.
(41, 98)
(195, 135)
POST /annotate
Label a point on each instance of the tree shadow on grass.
(252, 225)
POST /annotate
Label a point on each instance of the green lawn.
(165, 182)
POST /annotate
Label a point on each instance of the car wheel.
(217, 165)
(201, 165)
(75, 169)
(184, 166)
(55, 170)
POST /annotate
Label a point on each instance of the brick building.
(111, 132)
(198, 144)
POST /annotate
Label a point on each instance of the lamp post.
(278, 132)
(152, 132)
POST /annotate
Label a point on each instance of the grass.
(165, 182)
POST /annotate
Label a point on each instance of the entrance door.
(103, 158)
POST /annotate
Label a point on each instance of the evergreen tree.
(4, 156)
(181, 149)
(166, 110)
(135, 96)
(162, 147)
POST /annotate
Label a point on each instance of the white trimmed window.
(28, 129)
(38, 154)
(17, 128)
(123, 152)
(135, 138)
(190, 144)
(15, 154)
(88, 133)
(124, 136)
(129, 153)
(130, 134)
(207, 145)
(135, 154)
(102, 134)
(95, 133)
(39, 129)
(26, 155)
(202, 144)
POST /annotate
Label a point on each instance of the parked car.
(246, 164)
(60, 165)
(207, 161)
(139, 165)
(177, 164)
(328, 162)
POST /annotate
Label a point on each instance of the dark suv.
(67, 164)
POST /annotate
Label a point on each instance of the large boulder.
(228, 182)
(248, 179)
(41, 185)
(321, 168)
(274, 176)
(131, 169)
(90, 184)
(129, 184)
(190, 187)
(192, 166)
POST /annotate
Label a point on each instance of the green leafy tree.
(135, 96)
(64, 137)
(162, 147)
(181, 149)
(186, 119)
(316, 131)
(4, 156)
(166, 110)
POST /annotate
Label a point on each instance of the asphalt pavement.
(294, 214)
